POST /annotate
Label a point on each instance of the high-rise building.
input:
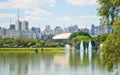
(12, 27)
(57, 30)
(98, 30)
(24, 25)
(92, 29)
(2, 32)
(18, 25)
(71, 29)
(47, 30)
(33, 29)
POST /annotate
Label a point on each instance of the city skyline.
(40, 13)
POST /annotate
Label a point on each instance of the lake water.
(51, 63)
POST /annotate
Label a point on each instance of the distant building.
(47, 30)
(27, 34)
(24, 25)
(37, 32)
(2, 32)
(18, 25)
(84, 30)
(24, 34)
(12, 27)
(57, 30)
(98, 30)
(71, 29)
(92, 29)
(33, 29)
(13, 33)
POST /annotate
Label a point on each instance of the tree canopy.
(109, 11)
(110, 15)
(79, 33)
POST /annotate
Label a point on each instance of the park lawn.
(32, 49)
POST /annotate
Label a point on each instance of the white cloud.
(6, 15)
(36, 14)
(64, 19)
(5, 24)
(24, 4)
(81, 2)
(89, 17)
(34, 18)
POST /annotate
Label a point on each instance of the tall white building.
(24, 25)
(18, 25)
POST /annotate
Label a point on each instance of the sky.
(40, 13)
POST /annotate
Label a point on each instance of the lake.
(51, 63)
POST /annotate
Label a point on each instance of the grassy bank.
(31, 49)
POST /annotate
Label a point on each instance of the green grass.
(31, 49)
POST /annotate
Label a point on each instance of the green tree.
(40, 43)
(30, 41)
(79, 33)
(80, 38)
(7, 41)
(110, 12)
(97, 40)
(19, 41)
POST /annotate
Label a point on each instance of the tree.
(19, 41)
(40, 43)
(79, 33)
(29, 41)
(109, 11)
(80, 38)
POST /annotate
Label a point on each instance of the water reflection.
(52, 63)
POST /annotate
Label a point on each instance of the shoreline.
(32, 49)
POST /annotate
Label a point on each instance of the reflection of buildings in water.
(35, 62)
(61, 60)
(34, 65)
(18, 67)
(48, 61)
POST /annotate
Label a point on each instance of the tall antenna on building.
(18, 14)
(10, 21)
(39, 25)
(86, 26)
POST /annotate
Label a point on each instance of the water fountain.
(90, 51)
(81, 51)
(81, 46)
(67, 47)
(90, 46)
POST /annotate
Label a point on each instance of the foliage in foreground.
(109, 11)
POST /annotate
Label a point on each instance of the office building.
(18, 25)
(24, 25)
(12, 27)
